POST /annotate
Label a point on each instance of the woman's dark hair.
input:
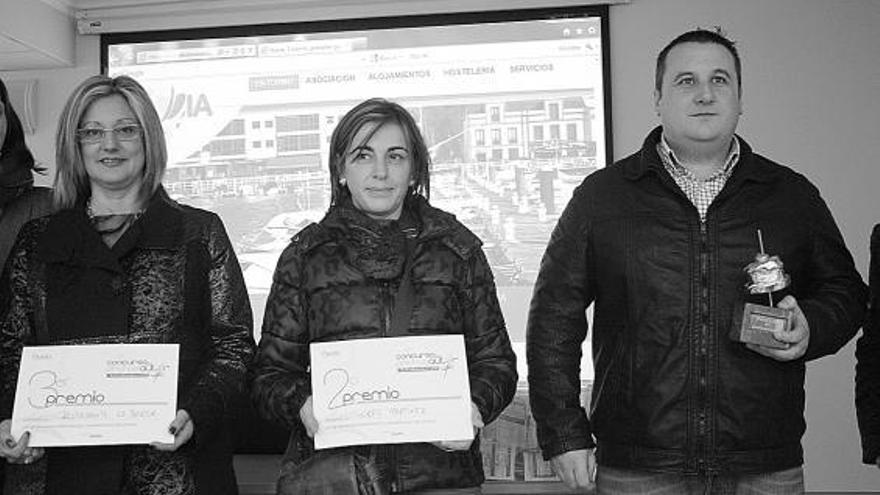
(14, 142)
(379, 111)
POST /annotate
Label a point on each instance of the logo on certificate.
(135, 369)
(421, 362)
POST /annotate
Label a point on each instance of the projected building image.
(512, 111)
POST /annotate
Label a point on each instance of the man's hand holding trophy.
(775, 326)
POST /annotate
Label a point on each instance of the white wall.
(53, 88)
(811, 87)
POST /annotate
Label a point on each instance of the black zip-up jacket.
(868, 363)
(672, 391)
(337, 280)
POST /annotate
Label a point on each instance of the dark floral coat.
(337, 281)
(171, 278)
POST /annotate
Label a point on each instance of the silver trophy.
(757, 321)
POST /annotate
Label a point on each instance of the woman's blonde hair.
(72, 185)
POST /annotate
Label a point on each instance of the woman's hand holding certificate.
(17, 451)
(182, 428)
(453, 445)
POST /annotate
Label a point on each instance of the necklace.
(90, 212)
(111, 225)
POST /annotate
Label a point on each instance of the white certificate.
(391, 390)
(107, 394)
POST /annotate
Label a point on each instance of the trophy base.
(756, 324)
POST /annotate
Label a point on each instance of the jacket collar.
(70, 237)
(750, 167)
(432, 222)
(429, 220)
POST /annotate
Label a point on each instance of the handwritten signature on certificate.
(391, 390)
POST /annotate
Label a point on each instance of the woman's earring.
(342, 181)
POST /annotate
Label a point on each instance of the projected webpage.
(512, 113)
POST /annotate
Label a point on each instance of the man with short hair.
(659, 242)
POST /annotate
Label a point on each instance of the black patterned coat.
(171, 278)
(337, 281)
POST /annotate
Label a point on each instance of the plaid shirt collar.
(701, 193)
(677, 170)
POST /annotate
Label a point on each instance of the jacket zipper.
(390, 451)
(703, 354)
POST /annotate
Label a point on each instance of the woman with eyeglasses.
(121, 262)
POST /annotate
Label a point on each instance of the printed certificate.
(391, 390)
(96, 394)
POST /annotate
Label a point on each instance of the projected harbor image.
(513, 114)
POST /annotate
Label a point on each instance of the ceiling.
(47, 39)
(98, 4)
(15, 55)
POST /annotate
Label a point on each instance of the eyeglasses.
(127, 132)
